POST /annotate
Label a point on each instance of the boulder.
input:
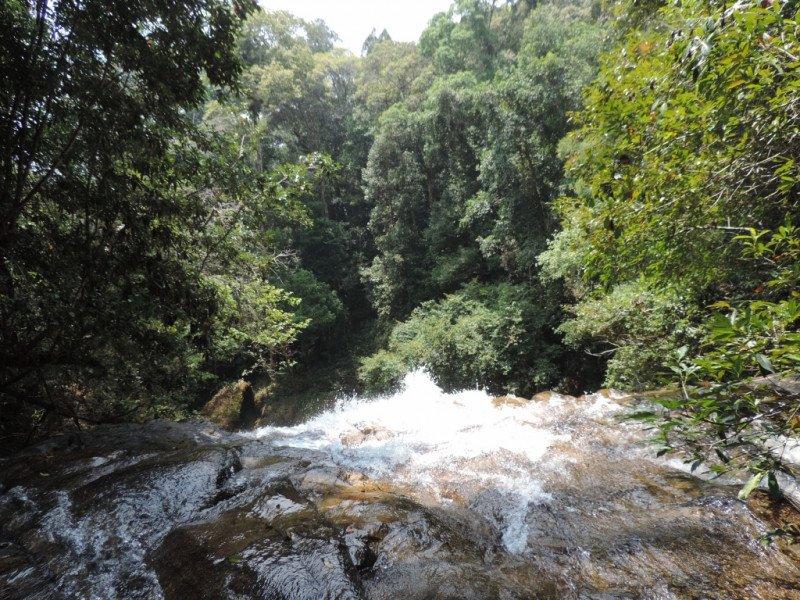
(233, 407)
(509, 401)
(279, 410)
(356, 437)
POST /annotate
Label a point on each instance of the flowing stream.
(418, 494)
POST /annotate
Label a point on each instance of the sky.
(352, 20)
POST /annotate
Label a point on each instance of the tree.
(388, 73)
(373, 39)
(463, 170)
(98, 203)
(679, 236)
(298, 105)
(685, 142)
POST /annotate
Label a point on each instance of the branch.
(601, 354)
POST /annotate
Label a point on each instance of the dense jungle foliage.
(677, 234)
(556, 194)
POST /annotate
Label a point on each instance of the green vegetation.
(679, 216)
(494, 335)
(537, 194)
(122, 282)
(460, 178)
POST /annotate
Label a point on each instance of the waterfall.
(419, 493)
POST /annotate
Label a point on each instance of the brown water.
(417, 495)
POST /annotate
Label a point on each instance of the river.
(414, 495)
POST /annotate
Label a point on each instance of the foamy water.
(417, 494)
(491, 456)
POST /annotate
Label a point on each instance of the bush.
(636, 327)
(723, 415)
(496, 336)
(320, 308)
(382, 371)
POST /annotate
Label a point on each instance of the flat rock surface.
(418, 495)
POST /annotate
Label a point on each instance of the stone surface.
(509, 401)
(359, 436)
(554, 499)
(233, 407)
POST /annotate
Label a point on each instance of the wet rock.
(357, 437)
(319, 479)
(609, 395)
(783, 384)
(512, 401)
(549, 500)
(360, 542)
(273, 411)
(231, 465)
(186, 569)
(288, 551)
(544, 396)
(281, 410)
(233, 407)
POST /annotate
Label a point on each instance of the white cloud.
(352, 20)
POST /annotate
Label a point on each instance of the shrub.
(636, 327)
(496, 336)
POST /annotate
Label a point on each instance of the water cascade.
(417, 494)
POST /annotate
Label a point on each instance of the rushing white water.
(417, 494)
(465, 446)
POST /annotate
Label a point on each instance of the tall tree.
(463, 170)
(96, 199)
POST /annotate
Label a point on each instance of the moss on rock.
(232, 407)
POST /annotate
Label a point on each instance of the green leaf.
(720, 305)
(765, 363)
(644, 415)
(752, 484)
